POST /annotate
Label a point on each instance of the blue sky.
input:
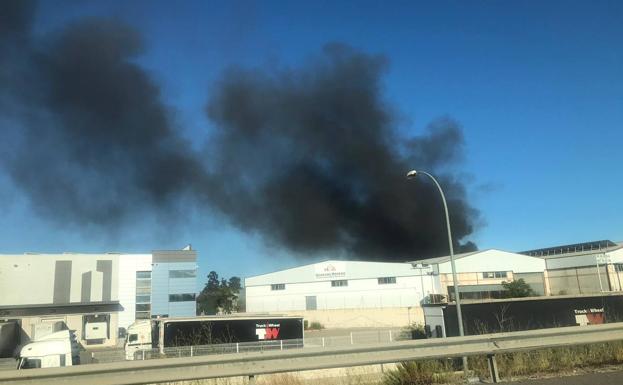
(537, 87)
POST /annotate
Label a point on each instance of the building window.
(142, 315)
(339, 283)
(618, 266)
(182, 273)
(143, 307)
(387, 280)
(278, 286)
(182, 297)
(143, 275)
(143, 298)
(143, 295)
(494, 274)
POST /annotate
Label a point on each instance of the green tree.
(517, 289)
(219, 295)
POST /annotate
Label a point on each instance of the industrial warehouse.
(374, 294)
(96, 295)
(100, 295)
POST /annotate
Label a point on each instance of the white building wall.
(363, 290)
(129, 264)
(494, 260)
(28, 279)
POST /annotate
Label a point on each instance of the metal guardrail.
(251, 364)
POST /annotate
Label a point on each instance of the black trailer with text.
(212, 334)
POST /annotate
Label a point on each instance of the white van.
(51, 351)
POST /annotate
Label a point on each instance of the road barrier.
(253, 364)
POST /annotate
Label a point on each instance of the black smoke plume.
(309, 157)
(95, 142)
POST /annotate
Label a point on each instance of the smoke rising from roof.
(308, 157)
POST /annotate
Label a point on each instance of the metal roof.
(575, 248)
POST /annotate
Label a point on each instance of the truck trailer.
(161, 333)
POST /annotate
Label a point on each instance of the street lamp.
(411, 175)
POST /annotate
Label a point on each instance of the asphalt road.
(608, 378)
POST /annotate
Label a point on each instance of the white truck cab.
(51, 351)
(138, 338)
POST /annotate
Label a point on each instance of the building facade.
(480, 274)
(339, 285)
(44, 293)
(94, 295)
(338, 292)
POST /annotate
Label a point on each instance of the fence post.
(237, 347)
(493, 368)
(191, 350)
(390, 335)
(143, 353)
(323, 342)
(351, 338)
(281, 344)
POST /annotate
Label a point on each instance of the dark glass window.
(278, 286)
(143, 307)
(182, 297)
(494, 274)
(143, 274)
(182, 273)
(387, 280)
(339, 283)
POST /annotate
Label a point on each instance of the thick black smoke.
(309, 157)
(95, 142)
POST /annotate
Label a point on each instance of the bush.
(315, 325)
(409, 373)
(416, 331)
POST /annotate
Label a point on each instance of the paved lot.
(609, 378)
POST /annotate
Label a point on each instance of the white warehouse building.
(333, 285)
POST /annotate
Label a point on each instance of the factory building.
(583, 268)
(480, 273)
(94, 295)
(340, 285)
(350, 293)
(44, 293)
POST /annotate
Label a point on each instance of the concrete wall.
(32, 279)
(581, 280)
(359, 294)
(359, 318)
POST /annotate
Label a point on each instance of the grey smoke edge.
(308, 157)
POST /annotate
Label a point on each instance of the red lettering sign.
(271, 333)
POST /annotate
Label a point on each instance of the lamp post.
(411, 175)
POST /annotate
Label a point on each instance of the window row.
(495, 274)
(338, 283)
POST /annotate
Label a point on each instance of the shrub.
(315, 325)
(409, 373)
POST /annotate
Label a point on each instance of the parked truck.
(161, 333)
(53, 350)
